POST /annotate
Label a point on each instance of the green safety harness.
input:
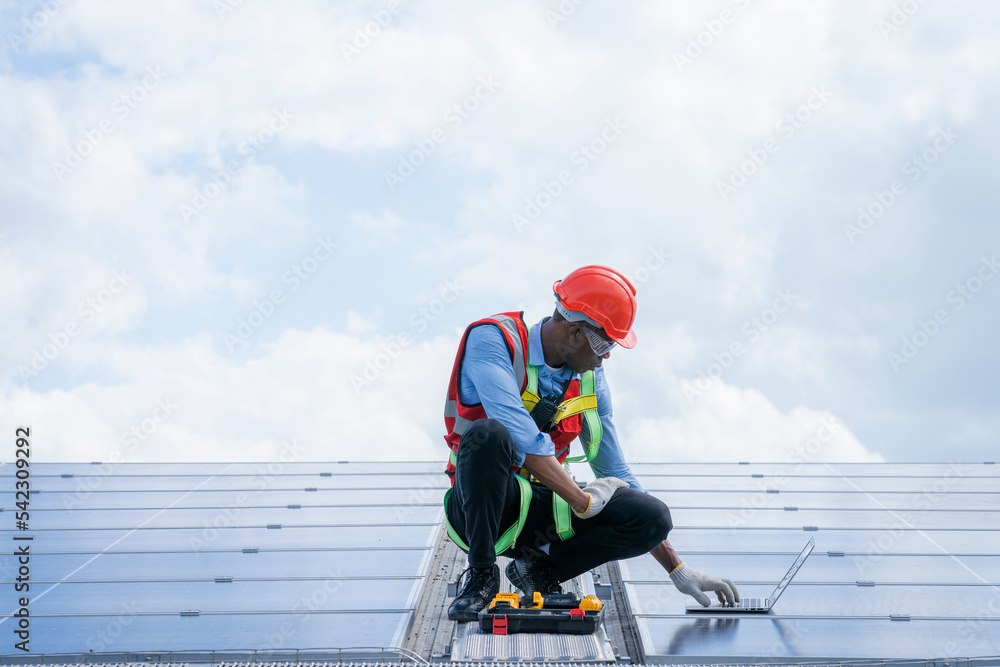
(585, 404)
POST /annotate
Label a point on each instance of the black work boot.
(533, 573)
(481, 586)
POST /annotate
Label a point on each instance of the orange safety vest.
(576, 406)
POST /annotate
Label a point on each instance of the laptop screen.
(792, 570)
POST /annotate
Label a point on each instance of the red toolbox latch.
(576, 614)
(500, 625)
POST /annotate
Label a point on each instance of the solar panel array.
(326, 557)
(905, 564)
(221, 557)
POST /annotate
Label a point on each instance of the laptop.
(760, 605)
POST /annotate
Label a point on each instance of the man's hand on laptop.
(694, 583)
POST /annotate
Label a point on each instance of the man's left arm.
(692, 582)
(610, 462)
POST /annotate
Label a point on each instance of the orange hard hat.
(604, 296)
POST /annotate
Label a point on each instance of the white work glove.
(600, 492)
(694, 583)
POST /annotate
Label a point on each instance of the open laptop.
(761, 605)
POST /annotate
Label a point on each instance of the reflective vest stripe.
(461, 423)
(506, 540)
(511, 327)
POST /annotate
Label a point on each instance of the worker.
(517, 398)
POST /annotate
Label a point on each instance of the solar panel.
(326, 557)
(822, 568)
(237, 515)
(905, 564)
(831, 501)
(254, 483)
(181, 557)
(207, 565)
(285, 468)
(107, 499)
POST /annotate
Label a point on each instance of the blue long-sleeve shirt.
(488, 378)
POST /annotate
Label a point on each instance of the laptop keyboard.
(751, 603)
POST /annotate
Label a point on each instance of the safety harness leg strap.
(510, 535)
(564, 520)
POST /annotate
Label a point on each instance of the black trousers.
(485, 501)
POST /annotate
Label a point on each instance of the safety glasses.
(599, 345)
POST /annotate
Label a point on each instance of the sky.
(233, 230)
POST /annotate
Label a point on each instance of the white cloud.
(655, 185)
(358, 325)
(725, 423)
(310, 387)
(383, 227)
(338, 397)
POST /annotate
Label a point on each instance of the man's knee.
(486, 447)
(660, 521)
(486, 428)
(652, 520)
(485, 433)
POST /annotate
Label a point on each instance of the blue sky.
(228, 226)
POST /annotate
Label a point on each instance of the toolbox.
(563, 614)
